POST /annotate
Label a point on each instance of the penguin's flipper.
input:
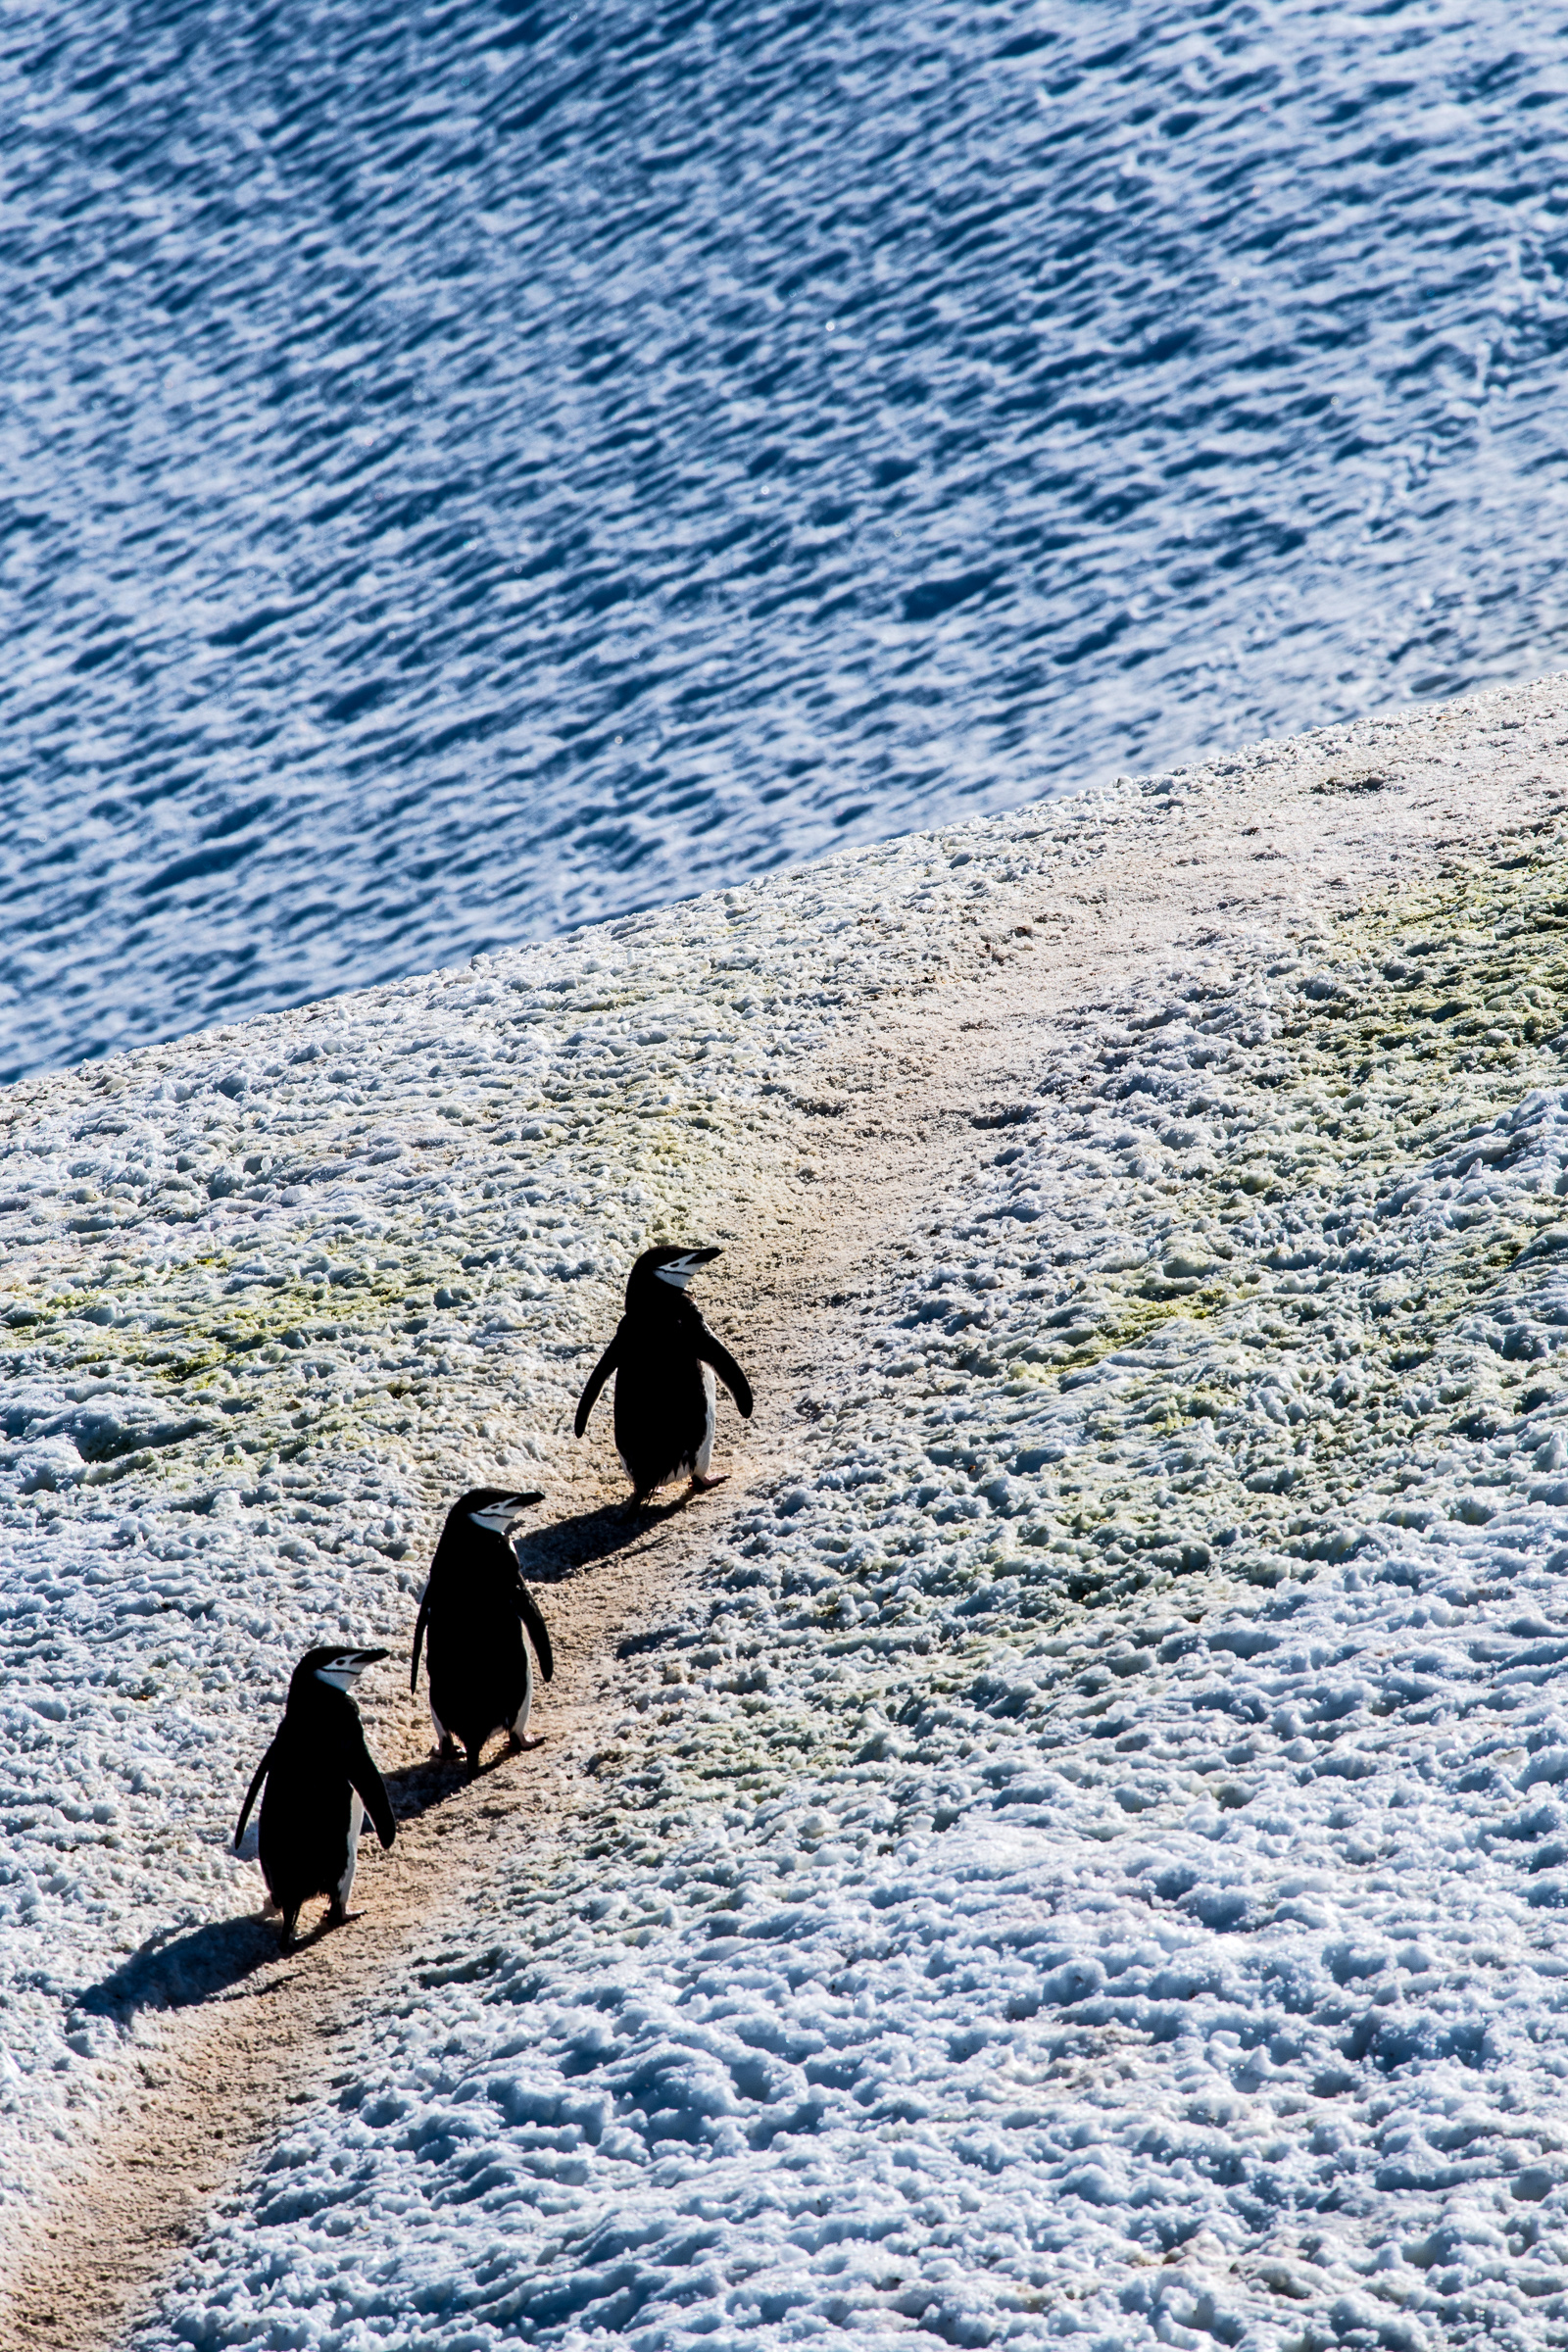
(372, 1791)
(420, 1624)
(714, 1351)
(596, 1380)
(538, 1631)
(252, 1793)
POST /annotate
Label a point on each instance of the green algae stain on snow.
(387, 1227)
(1262, 1282)
(391, 1269)
(1148, 1541)
(1294, 1225)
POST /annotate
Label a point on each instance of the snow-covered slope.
(1091, 1864)
(955, 1957)
(271, 1296)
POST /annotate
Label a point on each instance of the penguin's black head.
(339, 1665)
(495, 1509)
(665, 1269)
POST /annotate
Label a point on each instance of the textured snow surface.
(1094, 1862)
(271, 1296)
(470, 469)
(953, 1959)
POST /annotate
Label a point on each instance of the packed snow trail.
(874, 1798)
(253, 2027)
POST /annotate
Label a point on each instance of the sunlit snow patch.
(1092, 1865)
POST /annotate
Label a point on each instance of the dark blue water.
(468, 469)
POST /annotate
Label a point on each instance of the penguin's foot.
(516, 1746)
(706, 1486)
(338, 1916)
(290, 1934)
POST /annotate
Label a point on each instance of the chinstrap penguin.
(475, 1609)
(665, 1358)
(320, 1783)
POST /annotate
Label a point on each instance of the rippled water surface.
(470, 469)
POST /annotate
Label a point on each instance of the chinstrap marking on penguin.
(678, 1271)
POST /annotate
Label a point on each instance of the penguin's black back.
(663, 1392)
(308, 1808)
(477, 1663)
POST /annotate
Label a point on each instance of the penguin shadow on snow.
(419, 1787)
(174, 1971)
(171, 1971)
(554, 1554)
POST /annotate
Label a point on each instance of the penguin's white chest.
(705, 1451)
(345, 1885)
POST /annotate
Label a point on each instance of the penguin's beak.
(681, 1270)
